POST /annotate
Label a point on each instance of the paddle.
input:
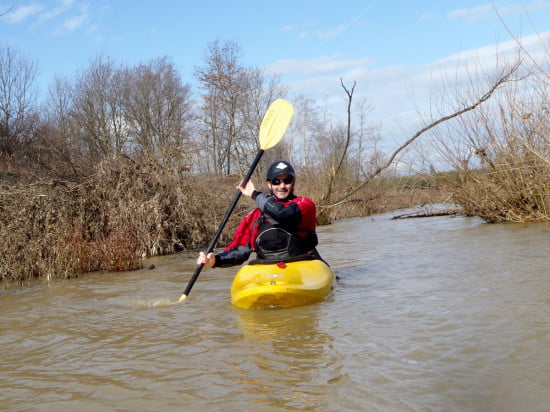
(272, 129)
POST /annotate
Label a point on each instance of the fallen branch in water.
(427, 213)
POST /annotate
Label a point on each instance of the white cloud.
(306, 31)
(319, 65)
(74, 22)
(63, 12)
(56, 11)
(333, 32)
(482, 12)
(337, 30)
(22, 13)
(492, 11)
(287, 28)
(399, 93)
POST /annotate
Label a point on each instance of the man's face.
(282, 186)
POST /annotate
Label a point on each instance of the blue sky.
(395, 50)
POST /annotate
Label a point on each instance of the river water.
(435, 314)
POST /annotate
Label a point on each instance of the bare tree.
(262, 90)
(58, 135)
(18, 117)
(223, 80)
(342, 153)
(157, 107)
(98, 109)
(501, 153)
(504, 77)
(303, 138)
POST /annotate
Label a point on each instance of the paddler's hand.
(248, 189)
(206, 260)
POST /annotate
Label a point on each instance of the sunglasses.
(287, 180)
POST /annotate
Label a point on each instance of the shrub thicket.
(514, 187)
(106, 222)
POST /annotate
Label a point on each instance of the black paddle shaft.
(224, 221)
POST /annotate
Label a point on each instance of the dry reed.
(513, 187)
(107, 222)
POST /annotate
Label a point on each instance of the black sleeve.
(232, 257)
(288, 216)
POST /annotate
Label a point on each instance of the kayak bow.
(282, 285)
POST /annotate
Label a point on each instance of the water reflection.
(285, 352)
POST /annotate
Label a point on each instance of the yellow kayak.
(282, 285)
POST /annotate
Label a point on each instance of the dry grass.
(513, 187)
(107, 222)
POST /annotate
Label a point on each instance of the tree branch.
(500, 81)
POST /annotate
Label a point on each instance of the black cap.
(280, 167)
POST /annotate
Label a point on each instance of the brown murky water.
(437, 314)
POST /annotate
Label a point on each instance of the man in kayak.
(281, 227)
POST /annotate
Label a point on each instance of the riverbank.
(52, 228)
(126, 211)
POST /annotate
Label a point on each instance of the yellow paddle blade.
(275, 123)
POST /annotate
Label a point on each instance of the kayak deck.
(282, 285)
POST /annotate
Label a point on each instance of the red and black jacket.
(296, 215)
